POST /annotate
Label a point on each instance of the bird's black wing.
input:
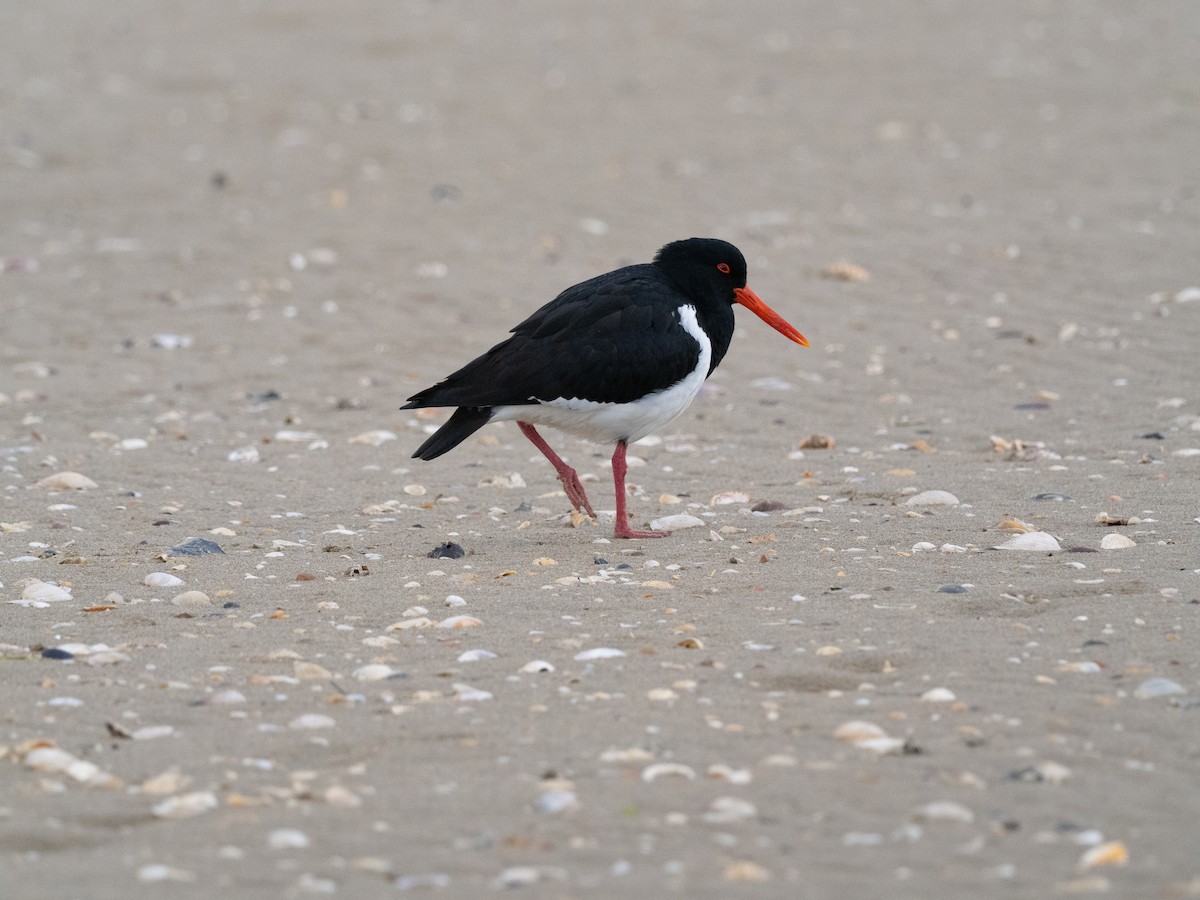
(612, 339)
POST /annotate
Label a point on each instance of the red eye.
(723, 267)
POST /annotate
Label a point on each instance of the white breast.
(612, 422)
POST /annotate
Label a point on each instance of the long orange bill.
(751, 301)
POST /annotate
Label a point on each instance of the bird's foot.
(622, 530)
(574, 490)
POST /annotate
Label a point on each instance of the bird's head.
(712, 265)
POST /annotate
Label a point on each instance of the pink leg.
(622, 529)
(568, 476)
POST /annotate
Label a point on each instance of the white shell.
(676, 522)
(932, 498)
(185, 806)
(67, 481)
(1116, 542)
(599, 653)
(1037, 541)
(162, 579)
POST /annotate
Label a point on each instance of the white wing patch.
(612, 422)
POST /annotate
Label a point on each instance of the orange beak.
(751, 301)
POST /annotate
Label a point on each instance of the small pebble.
(448, 550)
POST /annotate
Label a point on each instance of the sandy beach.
(237, 236)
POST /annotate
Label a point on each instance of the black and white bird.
(611, 359)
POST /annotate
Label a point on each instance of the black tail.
(464, 423)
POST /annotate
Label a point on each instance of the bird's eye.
(723, 268)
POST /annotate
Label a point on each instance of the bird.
(611, 359)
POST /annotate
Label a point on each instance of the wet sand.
(238, 236)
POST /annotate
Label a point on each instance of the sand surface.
(236, 236)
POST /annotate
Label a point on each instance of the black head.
(706, 264)
(707, 268)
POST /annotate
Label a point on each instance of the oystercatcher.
(611, 359)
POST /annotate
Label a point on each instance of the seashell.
(470, 694)
(1110, 853)
(1037, 541)
(191, 599)
(1158, 687)
(67, 481)
(661, 694)
(1116, 542)
(598, 653)
(196, 547)
(247, 454)
(152, 732)
(884, 746)
(932, 498)
(537, 666)
(856, 730)
(728, 498)
(168, 782)
(106, 658)
(659, 770)
(943, 811)
(41, 592)
(406, 624)
(374, 438)
(556, 801)
(476, 655)
(312, 721)
(153, 873)
(726, 773)
(373, 672)
(724, 810)
(308, 671)
(291, 436)
(186, 806)
(287, 839)
(162, 579)
(676, 522)
(460, 622)
(939, 695)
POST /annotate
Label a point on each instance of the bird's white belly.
(612, 422)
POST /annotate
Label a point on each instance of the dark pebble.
(195, 547)
(600, 561)
(1153, 436)
(231, 604)
(953, 589)
(1050, 495)
(55, 653)
(448, 550)
(767, 506)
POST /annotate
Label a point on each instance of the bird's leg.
(568, 476)
(622, 529)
